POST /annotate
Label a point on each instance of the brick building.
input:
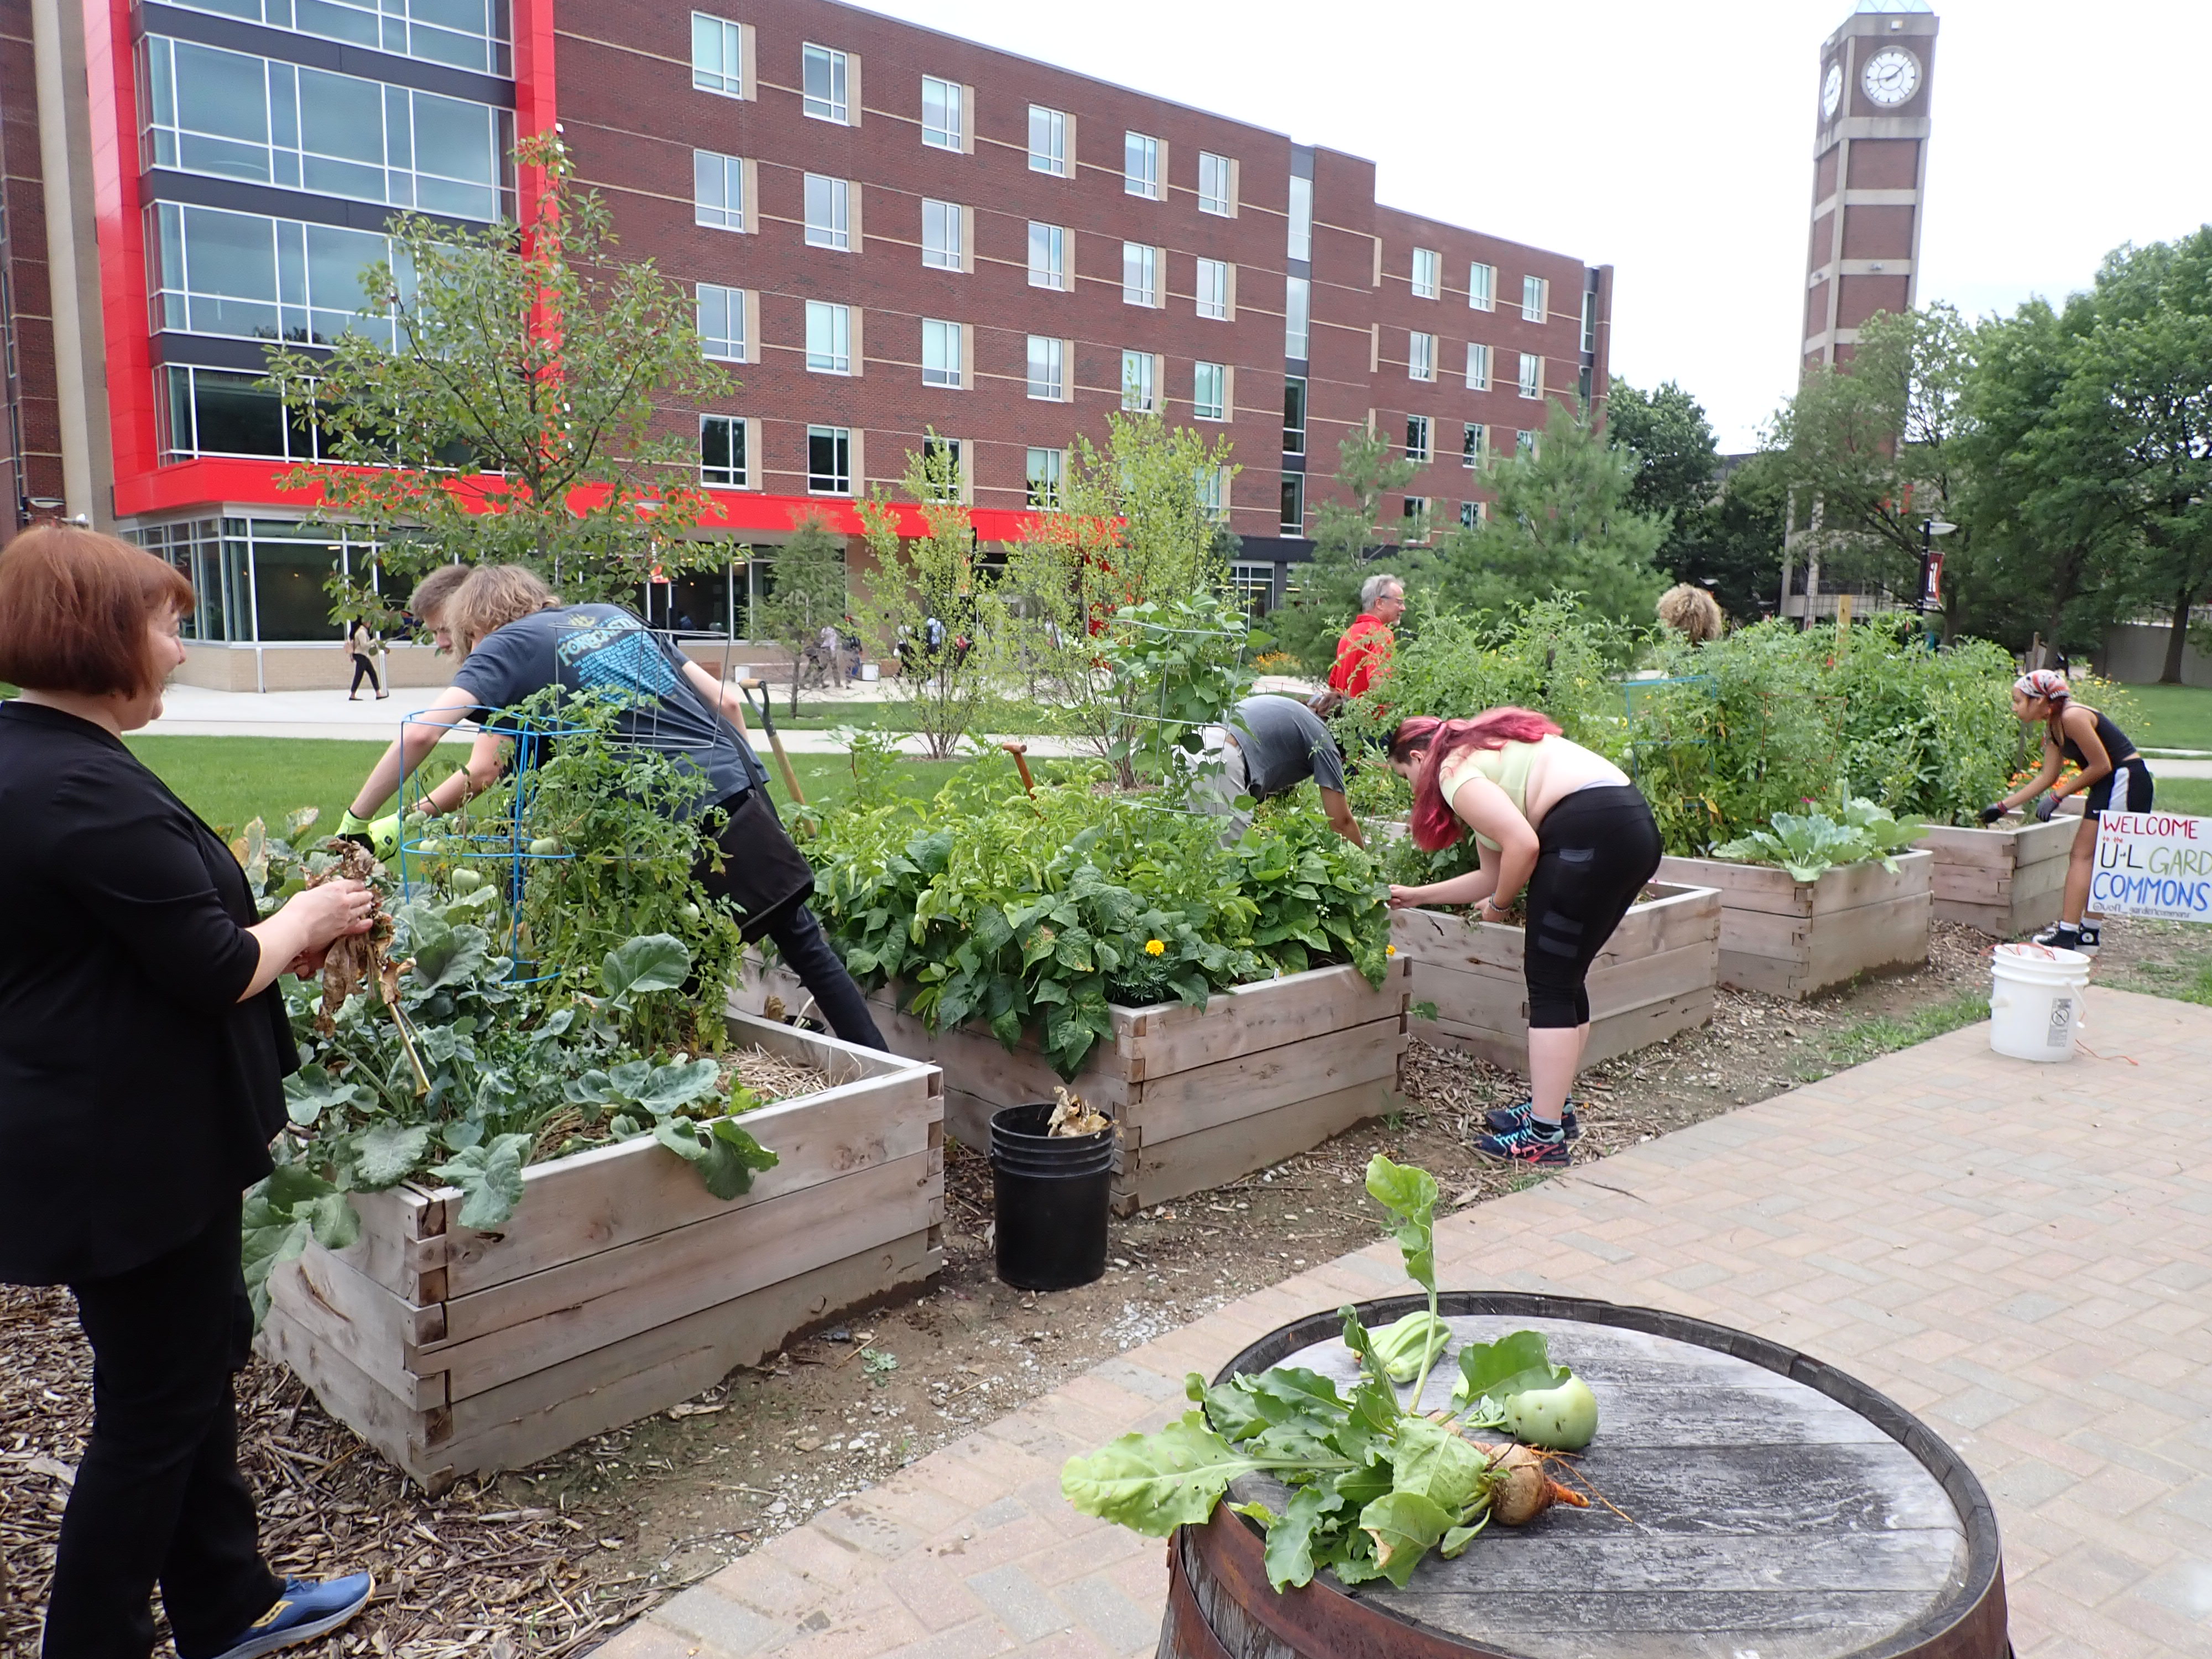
(891, 232)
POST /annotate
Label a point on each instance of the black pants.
(159, 1495)
(769, 881)
(365, 665)
(1594, 851)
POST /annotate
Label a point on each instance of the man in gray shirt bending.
(1269, 746)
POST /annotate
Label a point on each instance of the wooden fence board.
(1197, 1163)
(1172, 1037)
(1205, 1096)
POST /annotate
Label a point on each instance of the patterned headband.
(2043, 682)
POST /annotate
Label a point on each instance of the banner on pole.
(2153, 864)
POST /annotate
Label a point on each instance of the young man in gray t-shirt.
(1269, 746)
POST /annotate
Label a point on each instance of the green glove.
(384, 836)
(353, 828)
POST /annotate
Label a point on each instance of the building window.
(1294, 414)
(822, 73)
(722, 322)
(1293, 517)
(257, 278)
(942, 239)
(829, 212)
(1583, 383)
(1417, 518)
(1474, 439)
(940, 468)
(470, 35)
(1478, 367)
(1140, 274)
(1048, 140)
(1048, 256)
(718, 54)
(1209, 392)
(232, 115)
(1213, 288)
(1420, 356)
(1254, 584)
(830, 460)
(1298, 293)
(1589, 319)
(1047, 372)
(1470, 515)
(1043, 473)
(1214, 491)
(1428, 273)
(1535, 298)
(212, 411)
(1482, 286)
(1524, 444)
(1300, 240)
(722, 451)
(1417, 439)
(717, 191)
(1217, 184)
(1532, 374)
(940, 353)
(1140, 165)
(943, 121)
(1139, 391)
(828, 338)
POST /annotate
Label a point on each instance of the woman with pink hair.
(2112, 776)
(1549, 815)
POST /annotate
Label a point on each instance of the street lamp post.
(1931, 573)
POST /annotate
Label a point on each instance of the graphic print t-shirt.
(603, 648)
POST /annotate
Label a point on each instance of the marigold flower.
(1390, 949)
(1155, 948)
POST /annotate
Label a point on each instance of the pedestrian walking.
(143, 1047)
(1566, 823)
(362, 645)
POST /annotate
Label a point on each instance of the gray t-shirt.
(585, 647)
(1283, 743)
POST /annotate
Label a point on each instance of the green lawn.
(2170, 717)
(227, 781)
(2190, 795)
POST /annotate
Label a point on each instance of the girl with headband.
(2112, 774)
(1549, 814)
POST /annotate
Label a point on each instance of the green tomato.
(428, 846)
(546, 847)
(466, 880)
(1557, 1419)
(689, 912)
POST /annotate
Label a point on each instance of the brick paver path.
(2020, 1254)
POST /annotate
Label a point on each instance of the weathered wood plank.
(1254, 1017)
(352, 1315)
(399, 1428)
(399, 1241)
(1205, 1096)
(514, 1328)
(611, 1196)
(1769, 888)
(518, 1423)
(1621, 1032)
(1195, 1162)
(1868, 938)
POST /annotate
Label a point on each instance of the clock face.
(1831, 90)
(1890, 76)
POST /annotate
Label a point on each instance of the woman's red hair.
(74, 608)
(1435, 825)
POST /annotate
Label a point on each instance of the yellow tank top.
(1507, 768)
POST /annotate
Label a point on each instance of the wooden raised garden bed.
(1790, 938)
(2006, 880)
(621, 1285)
(1202, 1096)
(1654, 978)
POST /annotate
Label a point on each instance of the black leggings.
(365, 665)
(1594, 851)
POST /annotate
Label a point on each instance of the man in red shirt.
(1363, 649)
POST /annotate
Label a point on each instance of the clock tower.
(1869, 168)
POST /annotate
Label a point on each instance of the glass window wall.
(470, 35)
(251, 277)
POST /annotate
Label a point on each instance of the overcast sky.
(1675, 141)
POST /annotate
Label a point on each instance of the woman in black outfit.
(2112, 776)
(143, 1052)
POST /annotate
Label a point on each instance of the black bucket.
(1050, 1193)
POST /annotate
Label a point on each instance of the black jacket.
(138, 1095)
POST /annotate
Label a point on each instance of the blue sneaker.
(1529, 1144)
(305, 1611)
(1504, 1119)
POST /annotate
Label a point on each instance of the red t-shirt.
(1361, 652)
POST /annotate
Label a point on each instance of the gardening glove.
(358, 830)
(1993, 811)
(381, 837)
(2045, 807)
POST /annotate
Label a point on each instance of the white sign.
(2153, 864)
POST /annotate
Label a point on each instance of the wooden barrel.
(1777, 1510)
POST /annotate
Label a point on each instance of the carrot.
(1526, 1490)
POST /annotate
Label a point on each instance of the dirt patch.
(543, 1560)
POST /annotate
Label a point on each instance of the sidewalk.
(2020, 1254)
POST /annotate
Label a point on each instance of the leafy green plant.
(1808, 844)
(1040, 912)
(1177, 665)
(1374, 1484)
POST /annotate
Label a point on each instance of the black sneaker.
(2091, 939)
(1504, 1119)
(1529, 1144)
(2064, 936)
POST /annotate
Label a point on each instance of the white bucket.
(2035, 1000)
(868, 673)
